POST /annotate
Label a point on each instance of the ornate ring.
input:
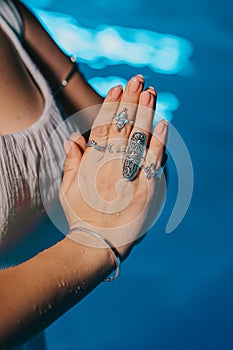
(108, 148)
(122, 119)
(155, 170)
(133, 156)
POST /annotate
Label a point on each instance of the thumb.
(73, 150)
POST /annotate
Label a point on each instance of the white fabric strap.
(12, 16)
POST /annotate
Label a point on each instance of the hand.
(94, 193)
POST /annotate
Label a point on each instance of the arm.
(55, 65)
(37, 292)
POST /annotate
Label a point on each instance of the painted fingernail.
(134, 84)
(160, 128)
(152, 90)
(116, 92)
(68, 147)
(145, 98)
(141, 76)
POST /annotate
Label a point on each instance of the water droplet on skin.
(62, 284)
(35, 307)
(78, 290)
(41, 312)
(18, 322)
(49, 306)
(82, 251)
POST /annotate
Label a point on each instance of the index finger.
(101, 126)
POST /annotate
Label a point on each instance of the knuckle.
(69, 167)
(157, 141)
(102, 130)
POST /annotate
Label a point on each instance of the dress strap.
(11, 15)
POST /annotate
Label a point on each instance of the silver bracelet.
(65, 81)
(107, 244)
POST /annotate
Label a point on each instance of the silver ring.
(122, 119)
(133, 156)
(155, 170)
(152, 172)
(108, 148)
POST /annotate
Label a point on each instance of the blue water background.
(175, 291)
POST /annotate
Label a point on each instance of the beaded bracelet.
(68, 77)
(107, 244)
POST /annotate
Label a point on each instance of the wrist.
(122, 249)
(88, 237)
(85, 254)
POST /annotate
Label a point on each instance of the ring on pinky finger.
(154, 170)
(156, 156)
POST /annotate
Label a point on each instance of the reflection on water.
(108, 46)
(105, 45)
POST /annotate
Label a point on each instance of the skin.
(34, 294)
(54, 64)
(127, 220)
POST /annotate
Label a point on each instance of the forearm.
(78, 95)
(37, 292)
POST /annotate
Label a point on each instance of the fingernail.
(152, 90)
(145, 98)
(68, 147)
(134, 84)
(160, 127)
(116, 92)
(141, 76)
